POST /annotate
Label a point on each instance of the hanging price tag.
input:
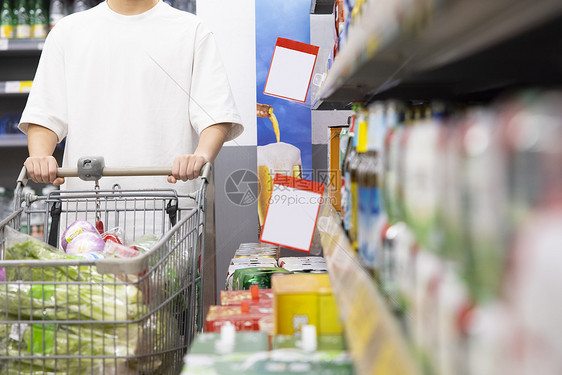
(292, 212)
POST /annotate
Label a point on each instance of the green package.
(324, 342)
(244, 278)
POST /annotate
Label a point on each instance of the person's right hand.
(43, 169)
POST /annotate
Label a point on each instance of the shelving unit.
(462, 48)
(13, 140)
(17, 88)
(376, 342)
(21, 45)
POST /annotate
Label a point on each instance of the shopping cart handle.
(205, 172)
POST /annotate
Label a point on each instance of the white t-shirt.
(136, 90)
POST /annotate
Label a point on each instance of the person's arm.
(211, 139)
(41, 165)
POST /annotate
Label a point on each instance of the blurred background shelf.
(19, 46)
(377, 343)
(463, 48)
(14, 88)
(13, 140)
(322, 6)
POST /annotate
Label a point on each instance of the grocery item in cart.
(87, 242)
(74, 230)
(42, 299)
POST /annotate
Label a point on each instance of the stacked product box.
(291, 328)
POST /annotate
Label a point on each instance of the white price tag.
(12, 87)
(3, 44)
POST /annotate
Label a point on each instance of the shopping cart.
(106, 316)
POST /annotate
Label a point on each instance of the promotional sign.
(284, 134)
(292, 213)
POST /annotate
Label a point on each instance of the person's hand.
(43, 169)
(186, 167)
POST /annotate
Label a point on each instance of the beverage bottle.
(80, 6)
(360, 146)
(6, 21)
(23, 28)
(40, 22)
(346, 179)
(57, 11)
(369, 193)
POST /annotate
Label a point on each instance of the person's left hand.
(186, 167)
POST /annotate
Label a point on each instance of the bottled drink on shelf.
(369, 193)
(40, 21)
(360, 147)
(57, 11)
(23, 28)
(80, 6)
(6, 20)
(345, 172)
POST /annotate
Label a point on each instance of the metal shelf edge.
(435, 47)
(374, 336)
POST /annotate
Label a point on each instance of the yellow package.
(301, 299)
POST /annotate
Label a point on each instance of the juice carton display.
(302, 299)
(243, 317)
(254, 296)
(243, 279)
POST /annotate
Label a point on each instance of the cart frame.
(161, 290)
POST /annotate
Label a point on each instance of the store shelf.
(464, 46)
(21, 45)
(376, 342)
(13, 140)
(322, 6)
(14, 88)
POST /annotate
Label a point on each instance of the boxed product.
(324, 342)
(244, 342)
(304, 264)
(243, 278)
(264, 262)
(254, 296)
(245, 353)
(243, 317)
(301, 299)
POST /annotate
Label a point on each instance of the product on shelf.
(302, 299)
(254, 296)
(243, 279)
(23, 27)
(304, 264)
(243, 317)
(368, 187)
(39, 20)
(346, 185)
(57, 11)
(246, 353)
(6, 20)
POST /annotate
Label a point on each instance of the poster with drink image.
(283, 127)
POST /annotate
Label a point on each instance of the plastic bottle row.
(456, 209)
